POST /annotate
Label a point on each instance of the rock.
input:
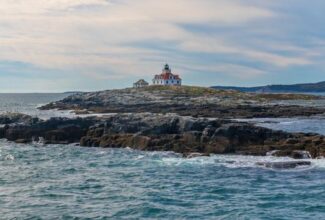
(284, 165)
(169, 132)
(292, 141)
(10, 118)
(197, 135)
(295, 154)
(185, 101)
(300, 154)
(193, 155)
(53, 131)
(82, 112)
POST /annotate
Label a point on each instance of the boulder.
(300, 154)
(194, 155)
(284, 165)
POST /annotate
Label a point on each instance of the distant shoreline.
(294, 88)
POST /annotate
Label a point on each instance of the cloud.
(103, 40)
(238, 71)
(55, 34)
(215, 46)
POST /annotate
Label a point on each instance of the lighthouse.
(167, 78)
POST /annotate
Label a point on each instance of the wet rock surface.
(53, 131)
(189, 136)
(9, 118)
(284, 165)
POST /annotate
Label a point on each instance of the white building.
(167, 78)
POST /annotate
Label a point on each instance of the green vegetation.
(286, 96)
(190, 90)
(196, 91)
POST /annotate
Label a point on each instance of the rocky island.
(187, 101)
(188, 120)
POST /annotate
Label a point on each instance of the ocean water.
(315, 124)
(27, 103)
(71, 182)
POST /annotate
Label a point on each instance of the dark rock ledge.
(168, 132)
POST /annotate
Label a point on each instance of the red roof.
(166, 76)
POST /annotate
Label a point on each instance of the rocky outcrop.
(284, 165)
(186, 101)
(167, 132)
(52, 131)
(9, 118)
(189, 135)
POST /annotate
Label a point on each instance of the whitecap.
(139, 157)
(319, 163)
(9, 157)
(239, 161)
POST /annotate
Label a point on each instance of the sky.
(88, 45)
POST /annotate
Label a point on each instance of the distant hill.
(307, 87)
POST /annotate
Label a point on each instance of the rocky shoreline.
(163, 132)
(191, 121)
(187, 101)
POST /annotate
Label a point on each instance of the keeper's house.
(167, 78)
(141, 83)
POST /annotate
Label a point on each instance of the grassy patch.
(286, 96)
(190, 90)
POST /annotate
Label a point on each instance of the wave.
(240, 161)
(8, 150)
